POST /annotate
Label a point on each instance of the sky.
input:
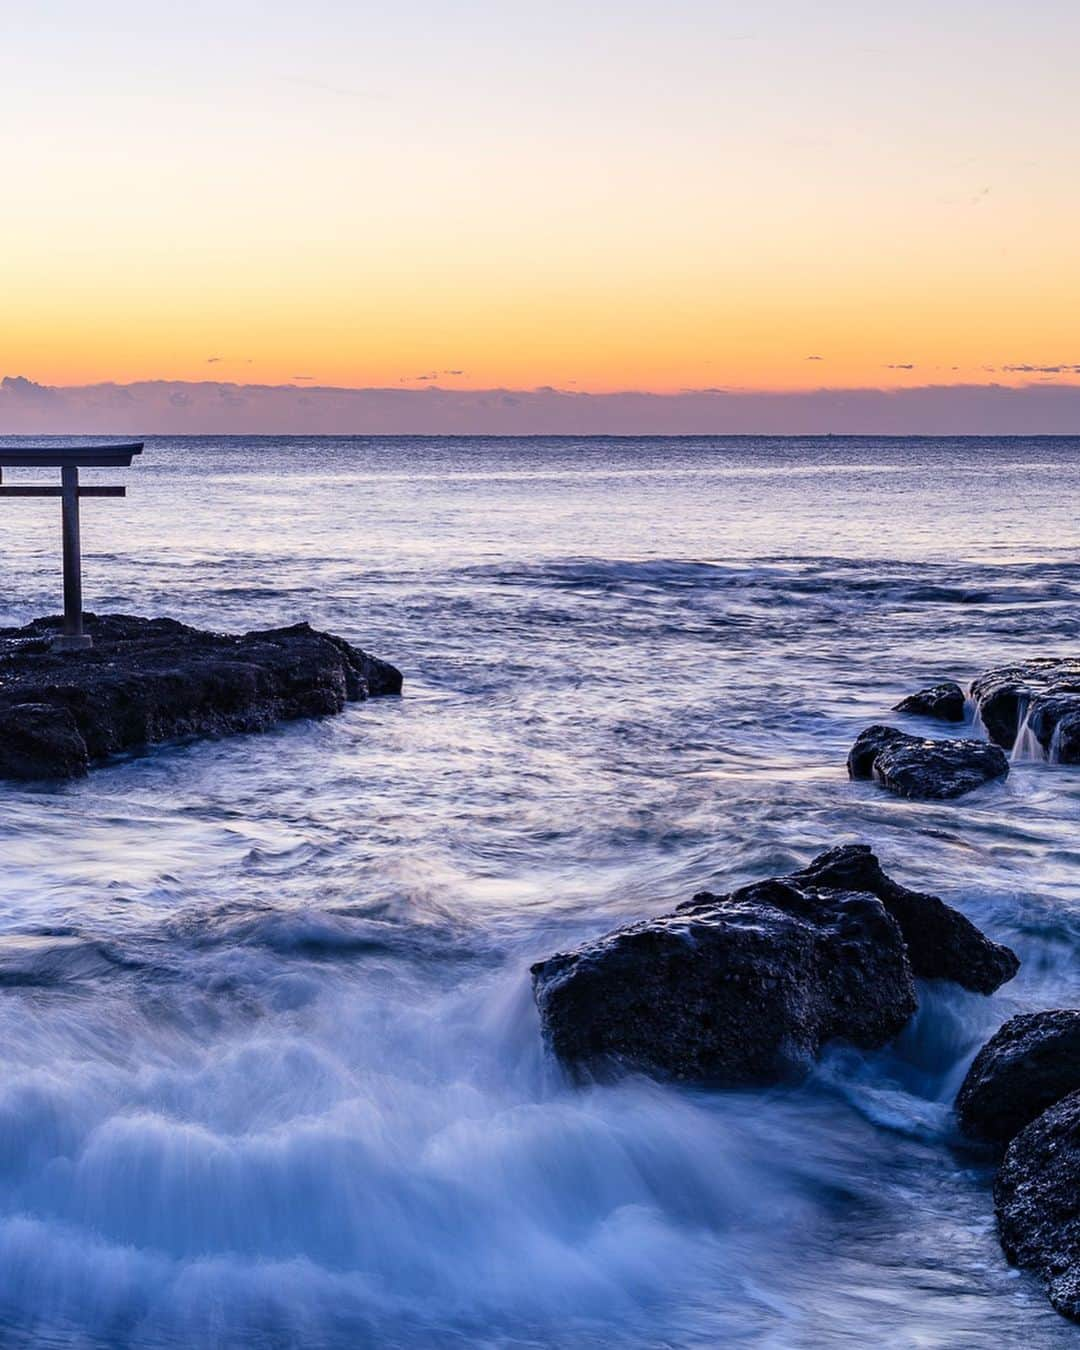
(596, 198)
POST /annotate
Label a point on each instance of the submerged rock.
(747, 987)
(57, 958)
(1037, 1199)
(1028, 1065)
(943, 701)
(150, 680)
(928, 770)
(1041, 695)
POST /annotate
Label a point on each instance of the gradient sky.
(599, 197)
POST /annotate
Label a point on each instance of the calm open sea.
(292, 1092)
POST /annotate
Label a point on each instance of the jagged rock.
(747, 987)
(927, 770)
(1046, 692)
(942, 944)
(1037, 1199)
(150, 680)
(1028, 1065)
(942, 701)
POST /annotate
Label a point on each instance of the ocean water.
(270, 1071)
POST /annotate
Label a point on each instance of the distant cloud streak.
(1063, 369)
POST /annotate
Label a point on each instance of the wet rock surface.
(1032, 1062)
(927, 770)
(150, 680)
(1037, 1199)
(945, 702)
(746, 987)
(941, 943)
(1042, 696)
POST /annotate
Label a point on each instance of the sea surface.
(270, 1070)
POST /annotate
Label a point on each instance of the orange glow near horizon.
(661, 207)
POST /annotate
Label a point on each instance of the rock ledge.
(151, 680)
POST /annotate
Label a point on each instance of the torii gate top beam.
(68, 456)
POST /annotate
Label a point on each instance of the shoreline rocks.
(1032, 707)
(1023, 1091)
(1042, 696)
(942, 944)
(1025, 1067)
(145, 681)
(745, 988)
(923, 769)
(945, 702)
(1037, 1200)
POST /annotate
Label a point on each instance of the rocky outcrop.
(1037, 1199)
(1043, 695)
(1024, 1086)
(941, 943)
(945, 702)
(926, 770)
(747, 987)
(150, 680)
(1028, 1065)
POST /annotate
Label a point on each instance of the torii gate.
(69, 460)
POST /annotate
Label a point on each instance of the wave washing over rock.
(1033, 703)
(271, 1072)
(748, 987)
(1031, 708)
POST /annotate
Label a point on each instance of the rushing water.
(271, 1073)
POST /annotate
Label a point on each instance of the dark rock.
(942, 944)
(742, 988)
(747, 987)
(942, 701)
(149, 680)
(1037, 1198)
(40, 741)
(1046, 692)
(928, 770)
(869, 744)
(1028, 1065)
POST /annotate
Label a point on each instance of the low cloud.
(1049, 406)
(18, 389)
(902, 365)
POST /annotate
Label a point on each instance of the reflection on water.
(271, 1070)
